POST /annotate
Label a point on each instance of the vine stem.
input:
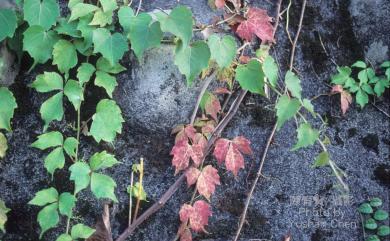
(141, 175)
(76, 159)
(130, 197)
(200, 96)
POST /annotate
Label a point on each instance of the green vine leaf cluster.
(369, 82)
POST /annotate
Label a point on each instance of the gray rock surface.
(359, 141)
(9, 67)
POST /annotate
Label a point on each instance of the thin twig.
(206, 83)
(297, 35)
(141, 175)
(139, 7)
(383, 112)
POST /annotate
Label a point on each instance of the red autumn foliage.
(230, 152)
(257, 23)
(205, 180)
(345, 97)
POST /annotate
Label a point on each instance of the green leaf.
(8, 106)
(74, 92)
(44, 197)
(79, 173)
(125, 15)
(50, 139)
(8, 23)
(308, 106)
(178, 22)
(381, 86)
(307, 136)
(367, 88)
(137, 191)
(321, 160)
(251, 77)
(41, 12)
(72, 3)
(85, 72)
(112, 47)
(66, 203)
(106, 81)
(81, 9)
(3, 215)
(342, 76)
(286, 109)
(65, 27)
(223, 50)
(48, 81)
(108, 5)
(359, 64)
(383, 230)
(107, 121)
(381, 215)
(48, 218)
(104, 65)
(52, 109)
(363, 76)
(85, 46)
(351, 84)
(293, 84)
(365, 208)
(385, 64)
(3, 145)
(361, 98)
(102, 160)
(373, 238)
(270, 69)
(70, 146)
(376, 202)
(55, 160)
(103, 186)
(39, 43)
(81, 231)
(64, 237)
(101, 18)
(143, 34)
(370, 224)
(64, 55)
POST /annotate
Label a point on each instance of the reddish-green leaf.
(197, 215)
(258, 23)
(207, 180)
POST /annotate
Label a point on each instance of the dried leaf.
(103, 227)
(258, 23)
(345, 97)
(212, 106)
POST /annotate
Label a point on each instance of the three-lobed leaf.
(111, 46)
(223, 50)
(41, 12)
(251, 77)
(107, 121)
(179, 22)
(64, 55)
(39, 43)
(191, 60)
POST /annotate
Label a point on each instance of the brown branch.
(297, 35)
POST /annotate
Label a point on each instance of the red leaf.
(345, 97)
(181, 155)
(258, 23)
(221, 148)
(192, 175)
(346, 100)
(219, 3)
(184, 133)
(234, 160)
(207, 180)
(198, 215)
(212, 106)
(198, 147)
(243, 144)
